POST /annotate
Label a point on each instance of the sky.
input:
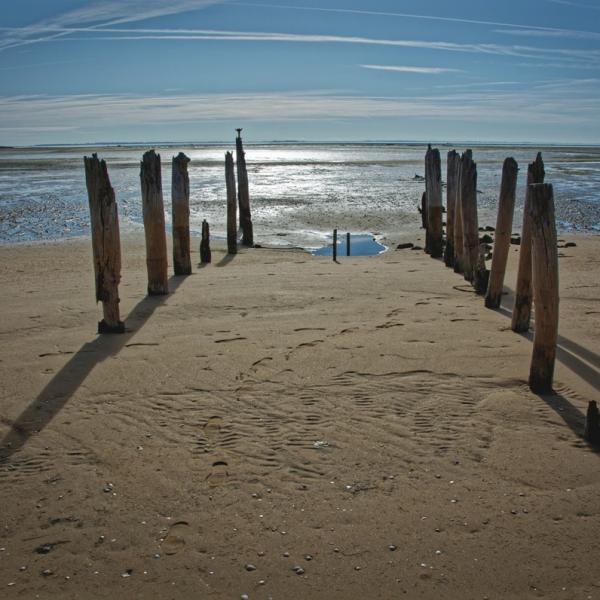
(91, 71)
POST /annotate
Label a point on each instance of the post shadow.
(61, 388)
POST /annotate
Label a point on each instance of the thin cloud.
(576, 4)
(407, 69)
(554, 33)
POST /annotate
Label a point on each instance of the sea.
(299, 192)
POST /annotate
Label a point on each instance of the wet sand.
(283, 426)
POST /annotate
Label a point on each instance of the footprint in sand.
(174, 541)
(213, 427)
(218, 474)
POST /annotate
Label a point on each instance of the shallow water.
(362, 244)
(299, 192)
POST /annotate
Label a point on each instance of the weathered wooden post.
(544, 256)
(481, 275)
(592, 424)
(458, 220)
(468, 198)
(523, 294)
(106, 244)
(180, 200)
(243, 192)
(506, 207)
(154, 224)
(205, 254)
(451, 188)
(348, 244)
(231, 205)
(334, 245)
(423, 210)
(433, 187)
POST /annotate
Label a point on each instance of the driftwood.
(544, 256)
(433, 187)
(180, 199)
(243, 193)
(231, 205)
(523, 293)
(506, 207)
(205, 255)
(451, 189)
(468, 205)
(154, 224)
(106, 244)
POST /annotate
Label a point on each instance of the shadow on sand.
(65, 383)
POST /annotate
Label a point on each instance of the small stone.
(260, 553)
(244, 597)
(357, 568)
(250, 567)
(404, 246)
(286, 554)
(308, 557)
(298, 570)
(23, 568)
(44, 548)
(262, 582)
(570, 245)
(127, 573)
(47, 572)
(336, 549)
(392, 548)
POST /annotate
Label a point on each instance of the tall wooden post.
(506, 207)
(205, 254)
(106, 244)
(180, 199)
(348, 244)
(231, 205)
(468, 199)
(433, 186)
(334, 252)
(243, 192)
(458, 220)
(544, 256)
(523, 294)
(154, 224)
(451, 188)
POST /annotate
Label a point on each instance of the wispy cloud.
(95, 14)
(576, 4)
(552, 33)
(531, 52)
(408, 69)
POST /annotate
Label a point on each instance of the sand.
(368, 421)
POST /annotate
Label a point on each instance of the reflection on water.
(362, 244)
(299, 192)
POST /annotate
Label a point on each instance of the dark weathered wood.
(544, 255)
(334, 245)
(523, 294)
(451, 189)
(433, 187)
(481, 275)
(348, 244)
(506, 207)
(423, 210)
(468, 205)
(243, 192)
(205, 254)
(458, 220)
(592, 424)
(180, 201)
(231, 205)
(106, 244)
(154, 224)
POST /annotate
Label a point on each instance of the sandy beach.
(282, 426)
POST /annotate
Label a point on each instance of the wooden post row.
(231, 205)
(451, 189)
(334, 245)
(154, 224)
(243, 192)
(348, 244)
(523, 294)
(180, 199)
(205, 254)
(458, 219)
(433, 187)
(506, 207)
(544, 256)
(106, 244)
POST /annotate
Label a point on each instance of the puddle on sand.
(361, 244)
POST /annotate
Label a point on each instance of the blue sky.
(78, 71)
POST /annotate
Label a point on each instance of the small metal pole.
(348, 244)
(334, 245)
